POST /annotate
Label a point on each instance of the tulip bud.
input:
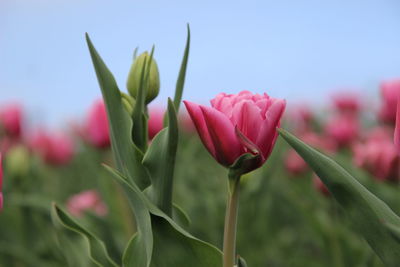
(128, 102)
(17, 161)
(152, 86)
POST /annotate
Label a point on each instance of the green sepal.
(244, 164)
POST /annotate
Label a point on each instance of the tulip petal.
(197, 117)
(268, 134)
(222, 133)
(247, 117)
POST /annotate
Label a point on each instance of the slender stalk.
(229, 247)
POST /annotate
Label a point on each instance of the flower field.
(247, 180)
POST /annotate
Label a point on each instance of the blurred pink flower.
(295, 164)
(1, 182)
(156, 122)
(301, 117)
(96, 126)
(88, 200)
(11, 120)
(6, 143)
(377, 155)
(54, 149)
(390, 91)
(347, 102)
(186, 123)
(396, 137)
(238, 123)
(343, 129)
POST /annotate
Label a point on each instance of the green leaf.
(180, 216)
(139, 249)
(173, 246)
(97, 250)
(128, 157)
(160, 162)
(370, 216)
(182, 73)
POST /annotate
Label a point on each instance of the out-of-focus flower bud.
(347, 102)
(96, 126)
(390, 91)
(88, 200)
(343, 129)
(153, 85)
(377, 155)
(1, 183)
(11, 120)
(295, 164)
(156, 122)
(396, 137)
(54, 149)
(17, 161)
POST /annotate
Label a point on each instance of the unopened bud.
(17, 161)
(152, 87)
(128, 102)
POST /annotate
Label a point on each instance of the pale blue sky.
(290, 49)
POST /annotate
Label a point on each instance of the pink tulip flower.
(96, 126)
(88, 200)
(396, 138)
(155, 123)
(236, 124)
(301, 117)
(295, 164)
(54, 149)
(377, 155)
(347, 102)
(1, 183)
(390, 91)
(343, 129)
(11, 120)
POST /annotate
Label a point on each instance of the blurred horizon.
(302, 51)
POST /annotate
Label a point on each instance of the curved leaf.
(97, 250)
(127, 155)
(370, 216)
(182, 73)
(170, 240)
(160, 162)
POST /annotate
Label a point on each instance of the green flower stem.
(229, 247)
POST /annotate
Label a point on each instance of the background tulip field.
(287, 216)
